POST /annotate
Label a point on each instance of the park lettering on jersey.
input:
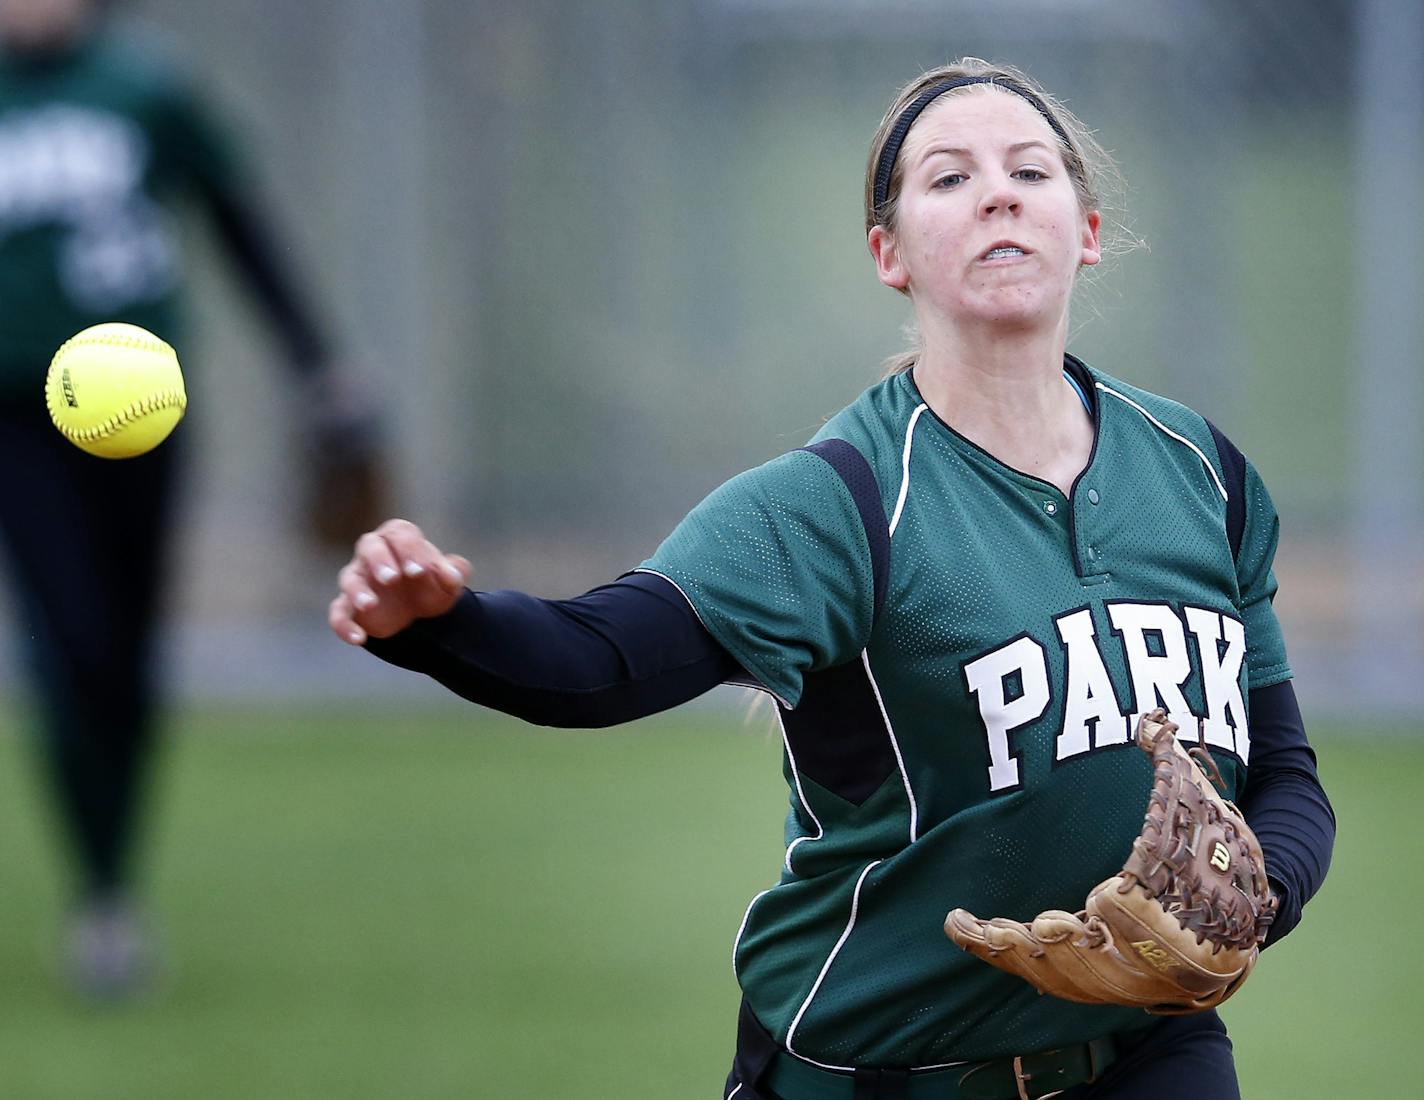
(1012, 686)
(1021, 664)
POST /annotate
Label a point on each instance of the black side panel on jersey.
(1233, 463)
(859, 478)
(837, 732)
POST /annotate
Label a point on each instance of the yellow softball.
(115, 390)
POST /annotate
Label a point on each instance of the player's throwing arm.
(395, 576)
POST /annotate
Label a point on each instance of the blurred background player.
(103, 140)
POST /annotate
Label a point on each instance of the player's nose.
(998, 197)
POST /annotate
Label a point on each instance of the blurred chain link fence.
(599, 257)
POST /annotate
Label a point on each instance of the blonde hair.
(1095, 177)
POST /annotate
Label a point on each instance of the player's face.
(989, 228)
(40, 24)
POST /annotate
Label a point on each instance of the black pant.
(87, 541)
(1180, 1058)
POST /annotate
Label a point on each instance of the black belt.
(1027, 1077)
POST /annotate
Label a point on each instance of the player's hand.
(395, 577)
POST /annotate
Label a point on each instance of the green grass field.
(367, 904)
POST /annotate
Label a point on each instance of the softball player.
(101, 140)
(963, 593)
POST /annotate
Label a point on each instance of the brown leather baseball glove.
(1177, 930)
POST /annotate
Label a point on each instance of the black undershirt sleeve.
(623, 651)
(1285, 804)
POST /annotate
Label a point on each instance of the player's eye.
(1031, 175)
(950, 180)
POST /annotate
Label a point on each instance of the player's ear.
(886, 251)
(1092, 246)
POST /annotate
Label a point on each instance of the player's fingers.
(376, 558)
(418, 558)
(407, 545)
(462, 565)
(340, 616)
(399, 528)
(432, 583)
(448, 573)
(355, 585)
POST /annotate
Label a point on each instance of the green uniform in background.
(96, 144)
(970, 745)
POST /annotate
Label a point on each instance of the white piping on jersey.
(905, 468)
(734, 1092)
(753, 682)
(894, 744)
(850, 924)
(1220, 488)
(800, 794)
(741, 931)
(680, 592)
(854, 908)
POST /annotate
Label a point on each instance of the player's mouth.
(1003, 252)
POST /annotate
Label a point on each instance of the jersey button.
(1092, 496)
(1050, 507)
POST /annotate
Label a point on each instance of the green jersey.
(964, 738)
(95, 144)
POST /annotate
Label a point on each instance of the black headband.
(891, 149)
